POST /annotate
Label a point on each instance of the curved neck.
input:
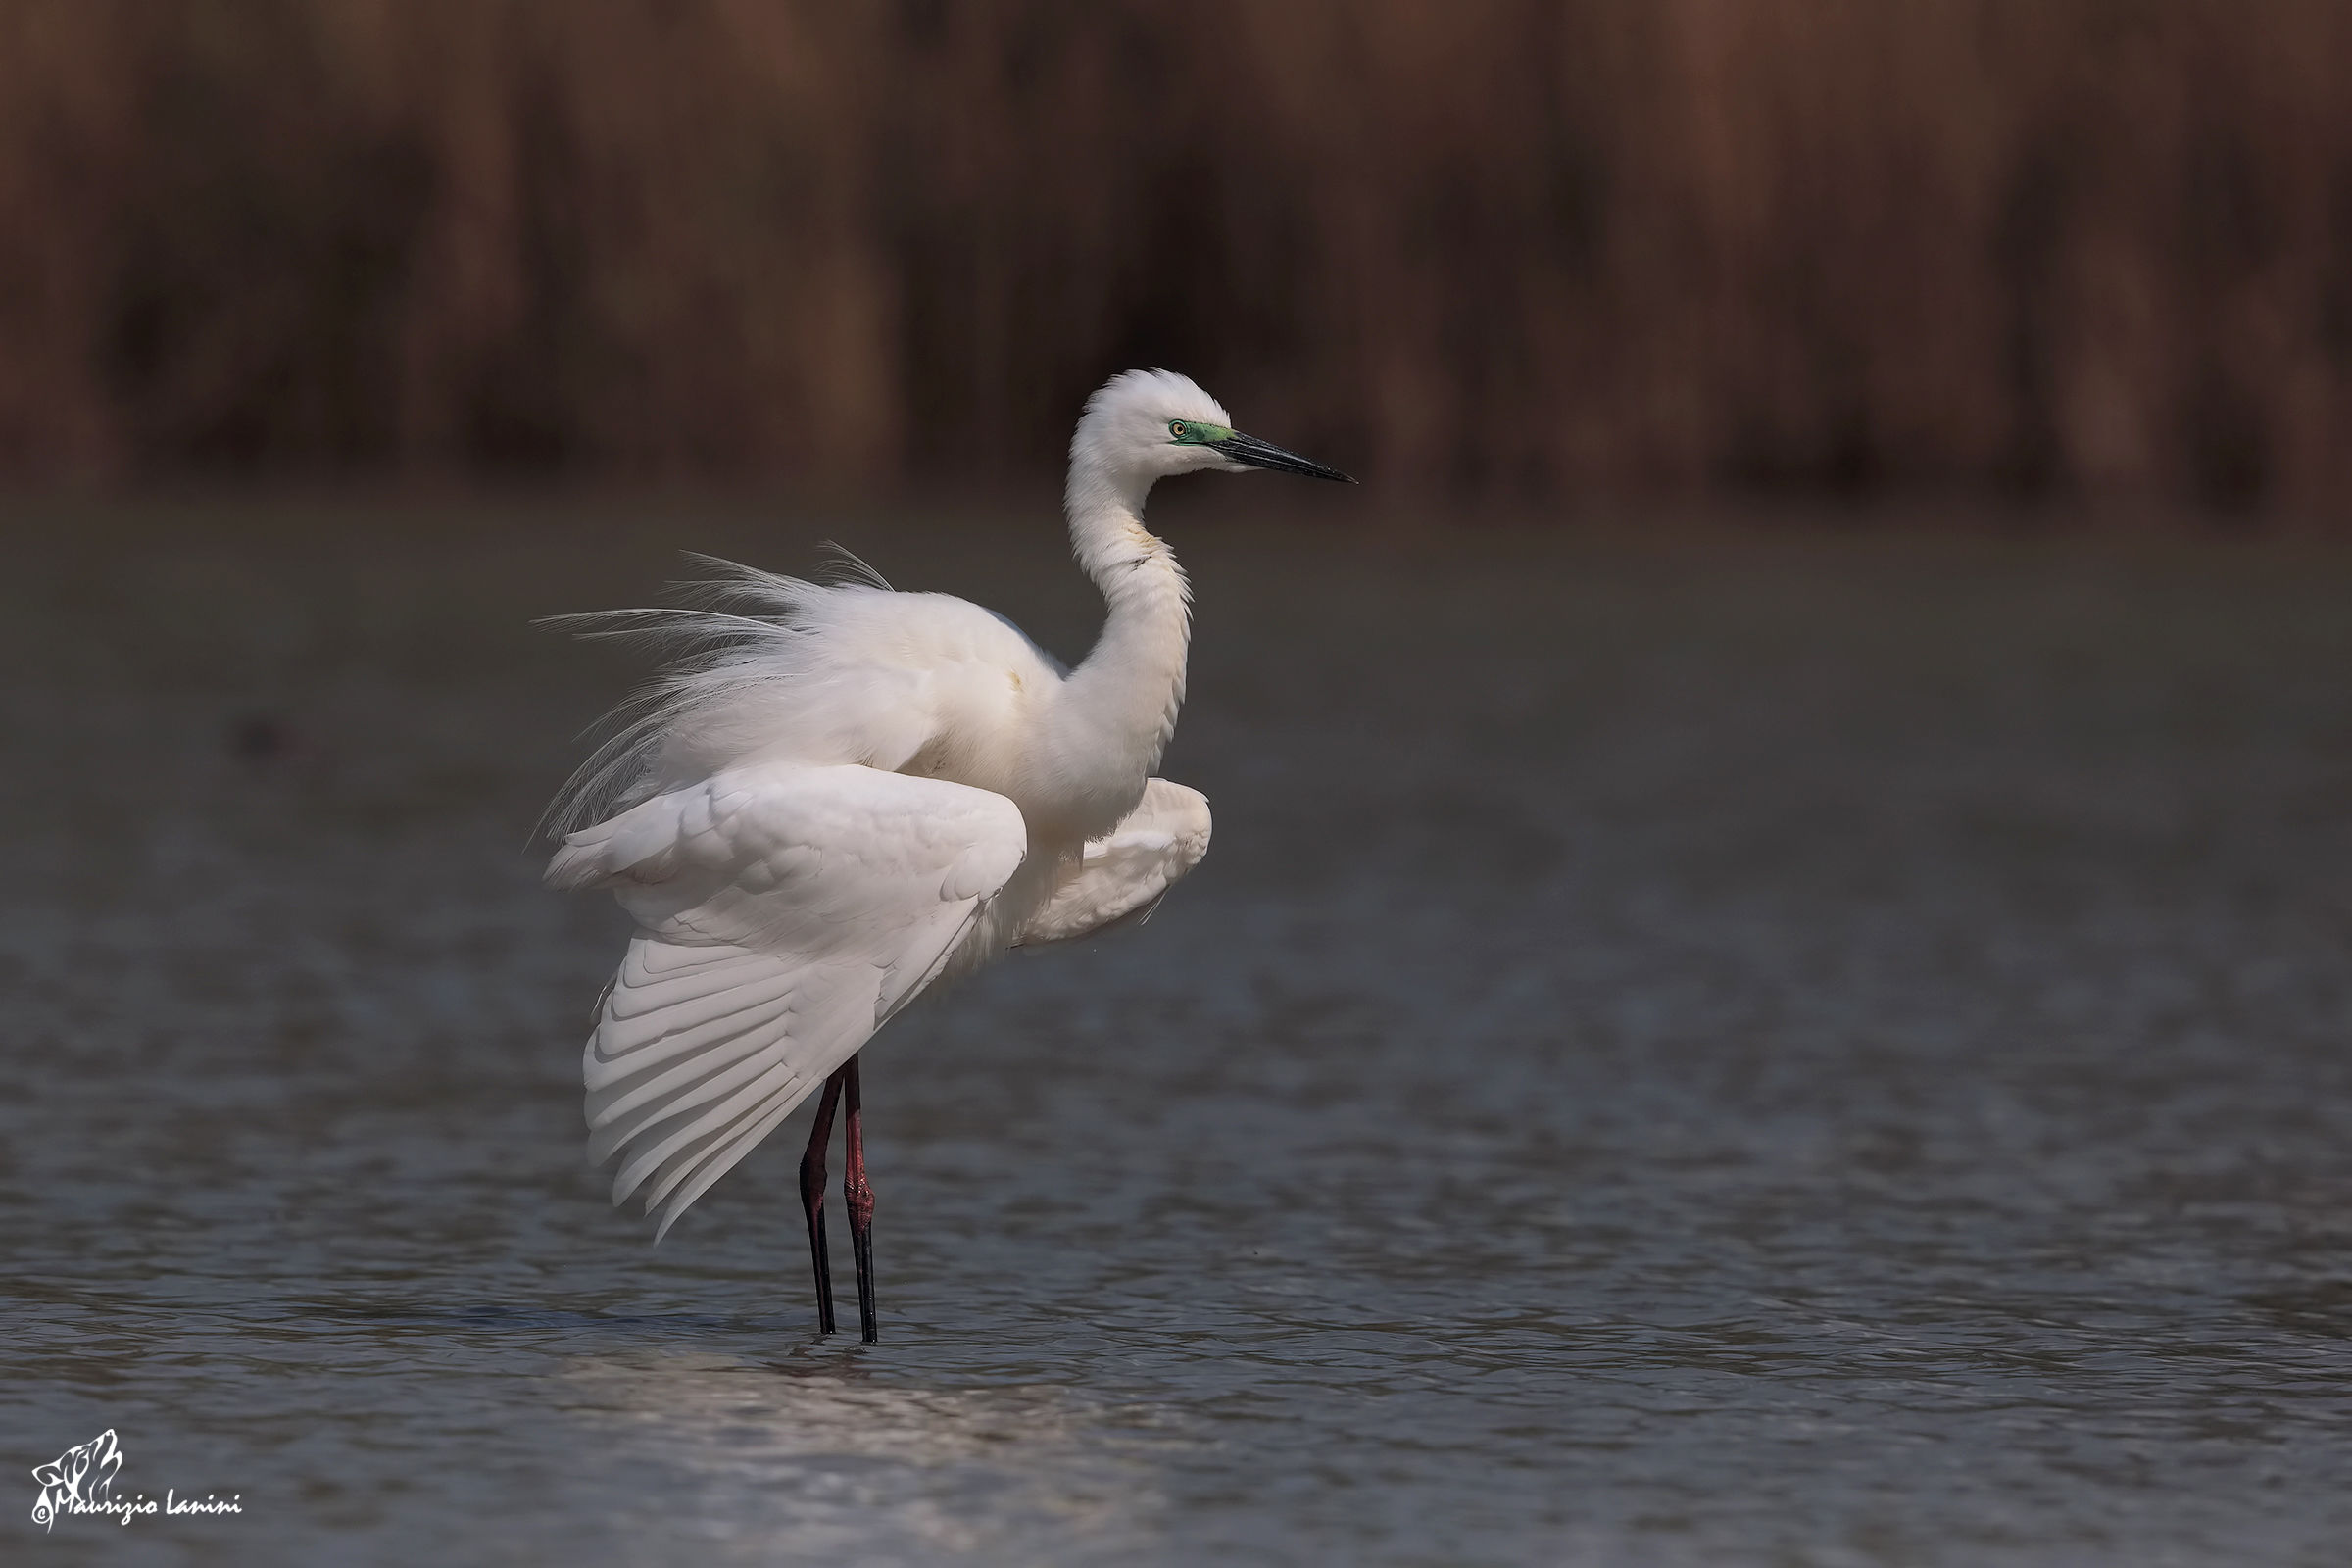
(1122, 699)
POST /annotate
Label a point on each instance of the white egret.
(849, 794)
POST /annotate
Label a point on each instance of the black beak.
(1259, 454)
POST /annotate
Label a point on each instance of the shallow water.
(1794, 1049)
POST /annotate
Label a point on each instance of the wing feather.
(690, 1182)
(1128, 870)
(783, 912)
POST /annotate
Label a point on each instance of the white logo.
(82, 1481)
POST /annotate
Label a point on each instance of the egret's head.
(1149, 424)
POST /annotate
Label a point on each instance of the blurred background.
(2015, 249)
(1771, 985)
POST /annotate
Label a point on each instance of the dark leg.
(812, 1199)
(860, 1204)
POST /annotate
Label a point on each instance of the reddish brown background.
(2032, 248)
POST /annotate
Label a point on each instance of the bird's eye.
(1176, 428)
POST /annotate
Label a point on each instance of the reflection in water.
(842, 1466)
(1814, 1051)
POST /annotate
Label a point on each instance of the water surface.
(1790, 1050)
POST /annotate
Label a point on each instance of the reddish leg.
(812, 1199)
(860, 1199)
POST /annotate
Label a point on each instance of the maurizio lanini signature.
(81, 1480)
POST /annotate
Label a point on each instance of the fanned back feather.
(781, 668)
(734, 629)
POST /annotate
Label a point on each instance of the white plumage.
(784, 912)
(847, 792)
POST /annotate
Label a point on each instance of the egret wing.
(1126, 872)
(783, 912)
